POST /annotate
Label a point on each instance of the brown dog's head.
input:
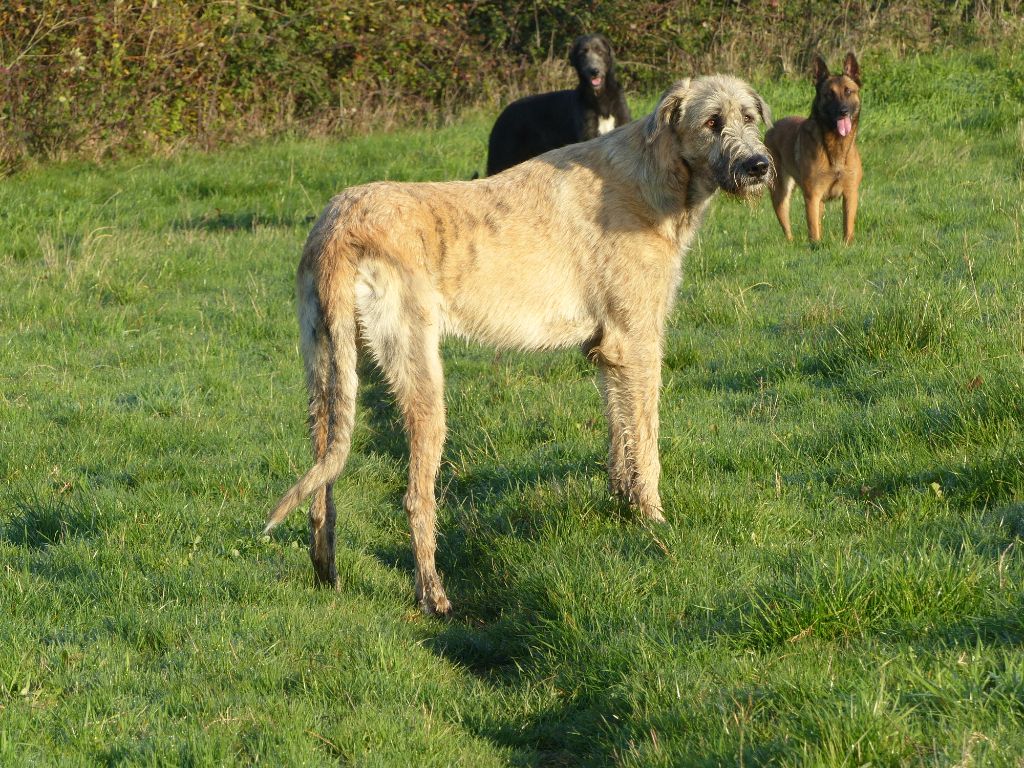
(837, 97)
(711, 125)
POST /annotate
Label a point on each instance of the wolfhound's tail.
(327, 320)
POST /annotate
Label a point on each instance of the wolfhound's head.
(710, 124)
(591, 57)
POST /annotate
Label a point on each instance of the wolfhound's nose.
(757, 166)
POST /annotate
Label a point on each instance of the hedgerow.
(93, 77)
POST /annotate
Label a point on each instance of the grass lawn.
(841, 581)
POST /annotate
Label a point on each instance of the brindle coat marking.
(581, 246)
(820, 153)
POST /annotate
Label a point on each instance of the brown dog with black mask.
(820, 152)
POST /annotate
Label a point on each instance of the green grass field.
(841, 582)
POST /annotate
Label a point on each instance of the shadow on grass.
(387, 435)
(495, 629)
(240, 221)
(986, 482)
(38, 521)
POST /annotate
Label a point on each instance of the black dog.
(533, 125)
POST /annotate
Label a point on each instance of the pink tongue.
(844, 125)
(596, 82)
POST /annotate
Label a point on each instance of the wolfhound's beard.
(735, 152)
(734, 181)
(738, 185)
(752, 190)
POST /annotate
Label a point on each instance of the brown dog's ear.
(819, 70)
(851, 68)
(669, 108)
(763, 109)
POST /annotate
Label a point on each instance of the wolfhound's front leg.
(631, 376)
(620, 472)
(642, 376)
(638, 381)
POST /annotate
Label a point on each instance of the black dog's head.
(837, 97)
(591, 57)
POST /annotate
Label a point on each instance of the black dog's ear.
(610, 58)
(574, 52)
(819, 70)
(851, 68)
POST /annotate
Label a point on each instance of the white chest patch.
(605, 124)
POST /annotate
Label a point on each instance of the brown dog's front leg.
(815, 210)
(849, 212)
(781, 193)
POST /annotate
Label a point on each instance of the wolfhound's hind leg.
(331, 384)
(319, 379)
(401, 324)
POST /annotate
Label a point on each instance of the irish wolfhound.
(581, 246)
(535, 124)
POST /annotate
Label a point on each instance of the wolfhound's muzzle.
(747, 175)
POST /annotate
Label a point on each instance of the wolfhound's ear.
(763, 109)
(851, 68)
(574, 52)
(668, 110)
(819, 70)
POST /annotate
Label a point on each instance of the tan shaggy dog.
(581, 246)
(819, 153)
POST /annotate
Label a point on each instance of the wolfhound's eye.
(748, 119)
(711, 123)
(847, 92)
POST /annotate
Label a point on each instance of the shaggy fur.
(579, 247)
(531, 126)
(820, 153)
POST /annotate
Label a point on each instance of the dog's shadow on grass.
(461, 494)
(491, 633)
(37, 521)
(384, 422)
(240, 221)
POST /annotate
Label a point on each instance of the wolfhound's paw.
(434, 602)
(654, 515)
(437, 606)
